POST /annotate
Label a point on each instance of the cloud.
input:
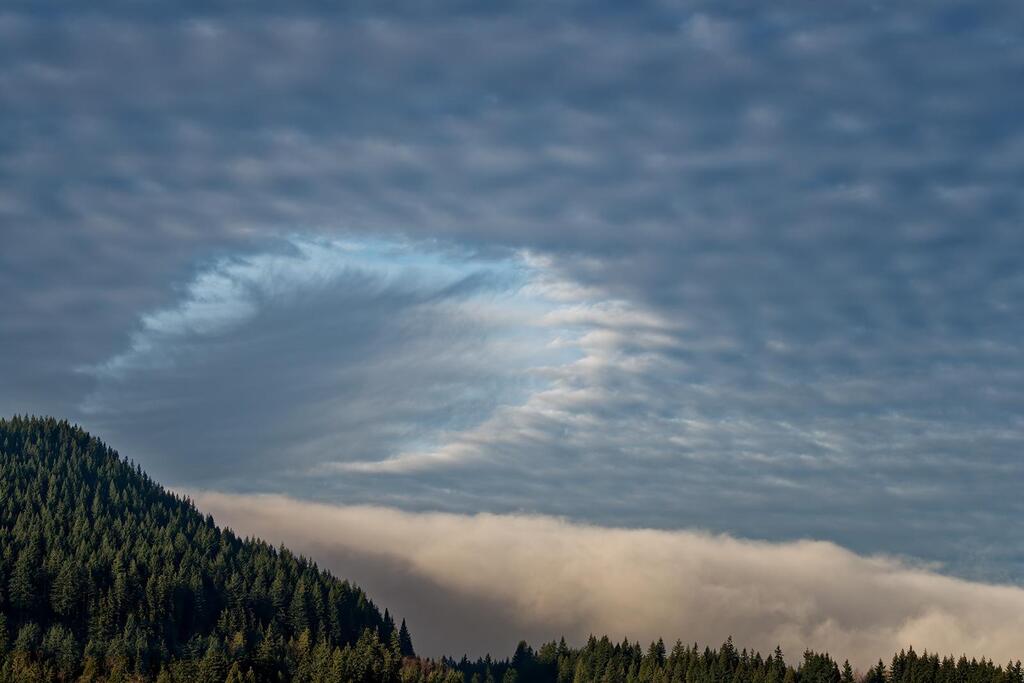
(231, 291)
(352, 350)
(708, 33)
(817, 207)
(605, 338)
(542, 577)
(428, 376)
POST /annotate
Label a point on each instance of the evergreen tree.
(847, 676)
(405, 641)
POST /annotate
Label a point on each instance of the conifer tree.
(405, 641)
(847, 676)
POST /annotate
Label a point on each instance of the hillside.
(105, 575)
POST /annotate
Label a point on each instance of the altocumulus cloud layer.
(699, 265)
(476, 580)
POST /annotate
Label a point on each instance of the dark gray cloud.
(789, 236)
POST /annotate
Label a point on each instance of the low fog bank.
(480, 583)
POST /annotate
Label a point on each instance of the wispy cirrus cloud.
(402, 344)
(231, 291)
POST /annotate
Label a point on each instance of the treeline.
(106, 576)
(602, 661)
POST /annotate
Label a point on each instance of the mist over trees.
(105, 576)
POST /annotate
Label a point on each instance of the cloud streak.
(231, 291)
(402, 345)
(542, 577)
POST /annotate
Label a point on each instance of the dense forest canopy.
(106, 576)
(601, 660)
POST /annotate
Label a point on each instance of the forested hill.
(106, 576)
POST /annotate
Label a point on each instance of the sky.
(703, 279)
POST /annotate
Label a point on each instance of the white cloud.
(421, 356)
(709, 33)
(612, 344)
(234, 290)
(541, 577)
(226, 295)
